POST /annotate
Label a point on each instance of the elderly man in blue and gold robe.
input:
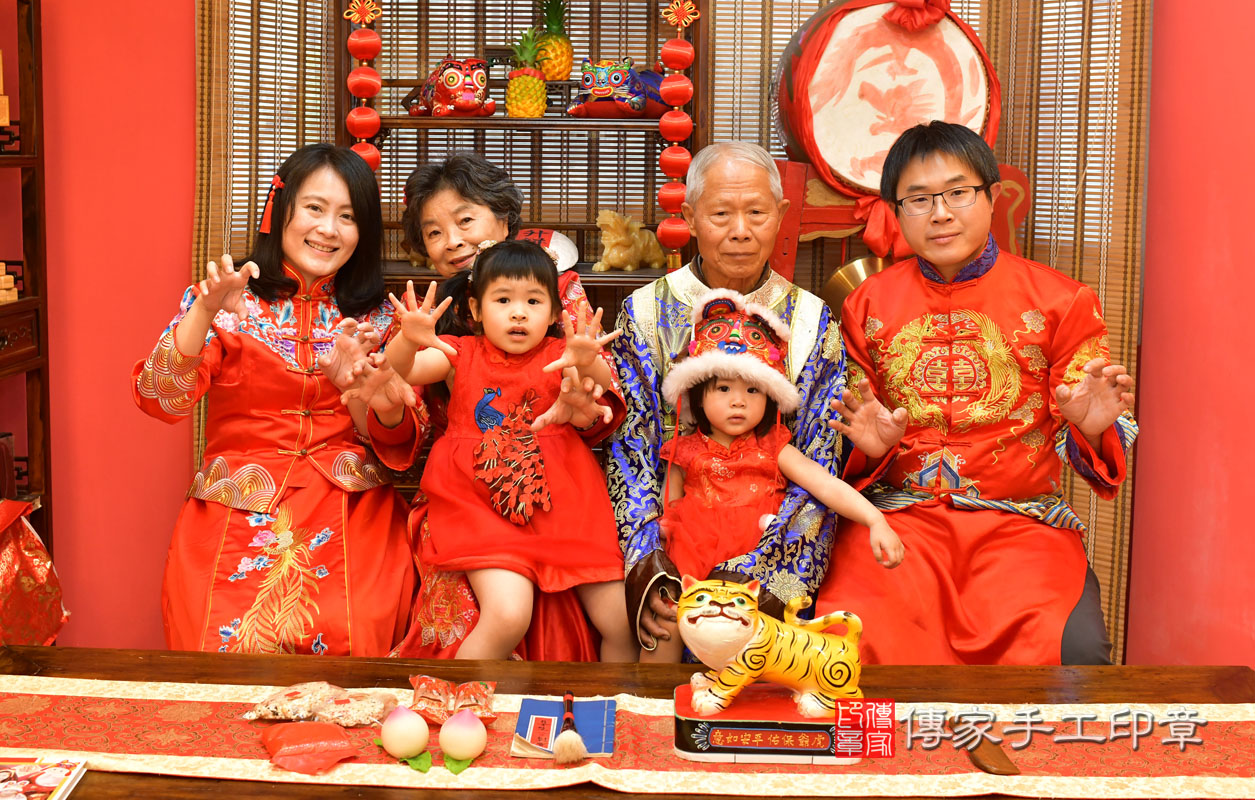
(734, 207)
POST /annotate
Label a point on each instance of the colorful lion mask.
(735, 339)
(613, 89)
(458, 87)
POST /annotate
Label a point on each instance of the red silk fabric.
(976, 587)
(31, 612)
(915, 15)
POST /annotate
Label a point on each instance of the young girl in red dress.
(514, 503)
(726, 480)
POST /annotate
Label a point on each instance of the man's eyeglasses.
(956, 197)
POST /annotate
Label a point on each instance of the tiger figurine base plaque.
(721, 624)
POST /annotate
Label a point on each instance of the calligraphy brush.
(569, 747)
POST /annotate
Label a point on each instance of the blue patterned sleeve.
(1088, 464)
(792, 557)
(632, 468)
(635, 475)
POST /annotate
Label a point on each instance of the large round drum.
(858, 74)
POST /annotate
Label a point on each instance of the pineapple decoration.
(675, 126)
(525, 94)
(364, 82)
(556, 53)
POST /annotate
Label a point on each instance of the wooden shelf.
(502, 122)
(18, 306)
(24, 322)
(18, 160)
(400, 271)
(22, 367)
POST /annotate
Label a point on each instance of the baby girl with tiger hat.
(726, 480)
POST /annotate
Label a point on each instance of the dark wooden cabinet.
(24, 322)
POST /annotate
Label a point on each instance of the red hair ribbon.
(276, 183)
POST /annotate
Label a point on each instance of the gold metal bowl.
(846, 279)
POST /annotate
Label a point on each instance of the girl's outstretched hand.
(886, 546)
(354, 341)
(223, 286)
(418, 323)
(583, 345)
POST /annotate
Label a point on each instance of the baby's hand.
(418, 323)
(583, 345)
(886, 546)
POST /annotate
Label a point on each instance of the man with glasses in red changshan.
(993, 374)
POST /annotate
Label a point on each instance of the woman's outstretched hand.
(378, 386)
(576, 403)
(223, 286)
(343, 363)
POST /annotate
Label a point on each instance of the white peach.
(464, 736)
(404, 733)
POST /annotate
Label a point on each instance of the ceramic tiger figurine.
(720, 623)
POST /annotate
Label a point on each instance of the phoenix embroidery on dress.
(508, 459)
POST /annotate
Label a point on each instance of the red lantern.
(364, 82)
(362, 122)
(677, 54)
(676, 89)
(675, 126)
(671, 197)
(674, 161)
(673, 233)
(364, 44)
(369, 154)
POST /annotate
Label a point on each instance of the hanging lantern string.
(364, 82)
(675, 126)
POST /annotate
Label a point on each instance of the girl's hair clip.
(484, 245)
(553, 254)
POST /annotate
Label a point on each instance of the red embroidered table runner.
(1205, 750)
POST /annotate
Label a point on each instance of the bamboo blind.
(565, 176)
(1074, 77)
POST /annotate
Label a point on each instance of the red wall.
(119, 89)
(1190, 600)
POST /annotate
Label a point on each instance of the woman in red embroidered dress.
(516, 504)
(452, 207)
(292, 540)
(726, 479)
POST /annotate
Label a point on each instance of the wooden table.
(1147, 685)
